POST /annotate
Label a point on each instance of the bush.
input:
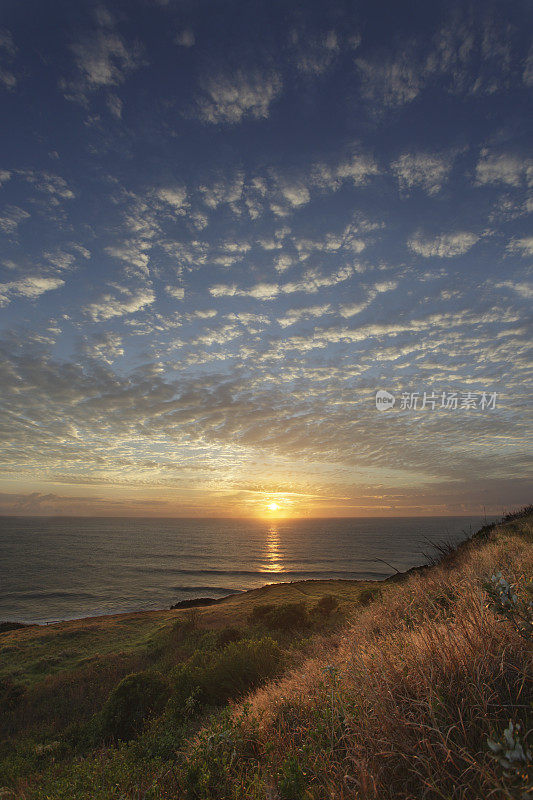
(259, 613)
(239, 667)
(130, 703)
(285, 617)
(11, 695)
(5, 627)
(368, 595)
(227, 673)
(326, 605)
(292, 781)
(228, 635)
(186, 682)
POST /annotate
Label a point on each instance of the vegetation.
(131, 703)
(283, 617)
(418, 688)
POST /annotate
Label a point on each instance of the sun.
(273, 507)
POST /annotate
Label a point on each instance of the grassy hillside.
(402, 690)
(29, 654)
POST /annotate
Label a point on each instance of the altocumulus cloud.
(109, 306)
(446, 245)
(7, 52)
(505, 168)
(426, 171)
(30, 287)
(103, 60)
(229, 98)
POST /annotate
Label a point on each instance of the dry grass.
(403, 707)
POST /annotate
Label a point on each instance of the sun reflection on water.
(273, 555)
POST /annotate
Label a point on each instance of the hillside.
(317, 689)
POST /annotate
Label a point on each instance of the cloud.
(7, 52)
(228, 99)
(177, 292)
(207, 313)
(11, 218)
(109, 306)
(103, 60)
(133, 253)
(446, 245)
(469, 55)
(390, 81)
(313, 279)
(296, 190)
(295, 194)
(30, 287)
(527, 76)
(426, 171)
(261, 291)
(348, 310)
(284, 191)
(311, 282)
(185, 38)
(115, 105)
(55, 186)
(523, 246)
(357, 168)
(293, 315)
(315, 54)
(503, 168)
(223, 190)
(283, 262)
(62, 260)
(106, 347)
(130, 428)
(523, 289)
(347, 240)
(174, 196)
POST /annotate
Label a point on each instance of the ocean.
(65, 568)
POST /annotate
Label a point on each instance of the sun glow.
(276, 505)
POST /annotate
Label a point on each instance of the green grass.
(29, 655)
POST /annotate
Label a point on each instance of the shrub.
(285, 617)
(11, 694)
(222, 762)
(292, 780)
(368, 595)
(505, 600)
(5, 627)
(186, 682)
(239, 667)
(130, 703)
(228, 635)
(227, 673)
(259, 613)
(326, 605)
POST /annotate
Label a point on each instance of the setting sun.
(273, 507)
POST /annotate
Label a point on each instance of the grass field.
(419, 687)
(30, 654)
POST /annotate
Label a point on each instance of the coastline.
(205, 602)
(254, 657)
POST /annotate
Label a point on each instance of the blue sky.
(225, 225)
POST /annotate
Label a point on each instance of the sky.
(224, 226)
